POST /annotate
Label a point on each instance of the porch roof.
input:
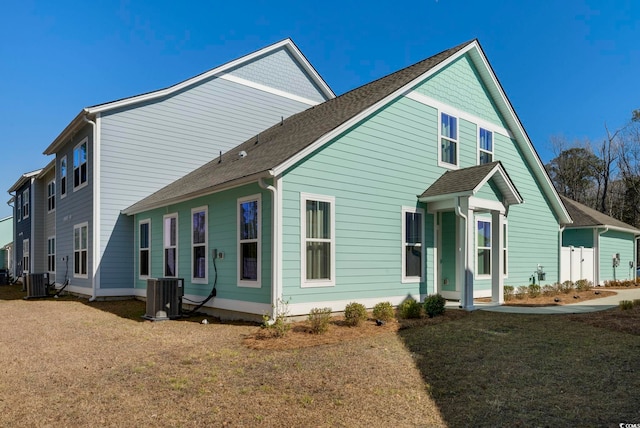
(468, 181)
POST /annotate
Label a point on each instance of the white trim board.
(268, 89)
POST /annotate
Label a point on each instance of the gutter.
(275, 233)
(95, 277)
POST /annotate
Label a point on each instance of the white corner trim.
(461, 114)
(268, 89)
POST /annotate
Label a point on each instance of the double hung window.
(448, 140)
(485, 146)
(170, 240)
(51, 196)
(412, 250)
(144, 248)
(199, 245)
(51, 255)
(80, 165)
(249, 234)
(318, 238)
(80, 250)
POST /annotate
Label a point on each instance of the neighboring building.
(597, 247)
(24, 210)
(410, 185)
(112, 155)
(44, 238)
(6, 243)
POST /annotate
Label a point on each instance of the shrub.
(626, 304)
(549, 290)
(583, 285)
(278, 327)
(434, 305)
(636, 302)
(508, 292)
(521, 292)
(566, 287)
(319, 319)
(355, 313)
(383, 311)
(534, 290)
(410, 308)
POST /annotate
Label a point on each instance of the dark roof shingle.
(583, 216)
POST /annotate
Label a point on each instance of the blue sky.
(568, 67)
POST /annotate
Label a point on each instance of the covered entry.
(470, 206)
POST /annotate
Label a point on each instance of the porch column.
(466, 251)
(497, 257)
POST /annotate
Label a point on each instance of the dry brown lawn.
(69, 363)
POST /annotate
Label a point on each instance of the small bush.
(278, 327)
(522, 291)
(549, 290)
(626, 304)
(383, 311)
(434, 305)
(410, 309)
(566, 287)
(534, 290)
(319, 319)
(636, 302)
(508, 292)
(355, 313)
(583, 285)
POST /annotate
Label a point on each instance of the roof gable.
(585, 217)
(224, 71)
(24, 178)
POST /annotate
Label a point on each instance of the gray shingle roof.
(284, 140)
(583, 216)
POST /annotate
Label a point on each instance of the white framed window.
(63, 177)
(448, 140)
(144, 248)
(412, 244)
(318, 240)
(19, 208)
(80, 165)
(26, 266)
(25, 204)
(199, 238)
(483, 248)
(485, 146)
(249, 241)
(51, 254)
(80, 250)
(170, 244)
(51, 196)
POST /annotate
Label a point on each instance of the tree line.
(603, 175)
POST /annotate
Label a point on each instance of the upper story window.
(249, 241)
(199, 245)
(412, 251)
(19, 208)
(170, 239)
(318, 240)
(144, 248)
(448, 140)
(63, 177)
(51, 196)
(25, 204)
(80, 165)
(485, 146)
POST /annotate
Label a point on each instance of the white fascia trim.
(280, 169)
(205, 192)
(486, 204)
(268, 89)
(339, 305)
(523, 135)
(322, 85)
(506, 182)
(461, 114)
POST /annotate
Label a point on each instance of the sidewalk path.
(594, 305)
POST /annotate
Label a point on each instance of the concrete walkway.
(594, 305)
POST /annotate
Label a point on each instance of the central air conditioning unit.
(37, 285)
(164, 298)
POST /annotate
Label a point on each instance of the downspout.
(11, 260)
(560, 254)
(275, 233)
(597, 247)
(463, 296)
(635, 259)
(95, 231)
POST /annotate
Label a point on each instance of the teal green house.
(421, 182)
(6, 242)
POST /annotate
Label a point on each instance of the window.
(25, 204)
(19, 208)
(483, 248)
(51, 196)
(170, 245)
(485, 146)
(412, 251)
(80, 246)
(448, 139)
(199, 245)
(63, 177)
(80, 165)
(144, 248)
(249, 250)
(25, 257)
(318, 240)
(51, 254)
